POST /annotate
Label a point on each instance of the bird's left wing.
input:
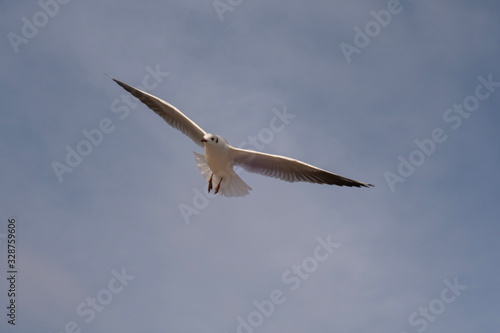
(168, 112)
(288, 169)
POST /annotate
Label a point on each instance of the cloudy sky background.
(119, 209)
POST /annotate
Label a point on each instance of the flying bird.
(216, 165)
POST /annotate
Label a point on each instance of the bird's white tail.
(232, 187)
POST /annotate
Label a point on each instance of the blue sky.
(106, 247)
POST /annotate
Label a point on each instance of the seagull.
(217, 164)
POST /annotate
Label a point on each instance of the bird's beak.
(203, 140)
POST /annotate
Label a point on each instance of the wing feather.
(288, 169)
(168, 112)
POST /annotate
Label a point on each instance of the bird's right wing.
(168, 112)
(288, 169)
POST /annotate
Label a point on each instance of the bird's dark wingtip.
(112, 78)
(364, 185)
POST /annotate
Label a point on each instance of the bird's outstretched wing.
(288, 169)
(168, 112)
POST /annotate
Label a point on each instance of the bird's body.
(220, 158)
(217, 156)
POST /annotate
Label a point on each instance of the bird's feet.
(218, 186)
(210, 183)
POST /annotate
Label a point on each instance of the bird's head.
(212, 139)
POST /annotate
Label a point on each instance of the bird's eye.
(212, 139)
